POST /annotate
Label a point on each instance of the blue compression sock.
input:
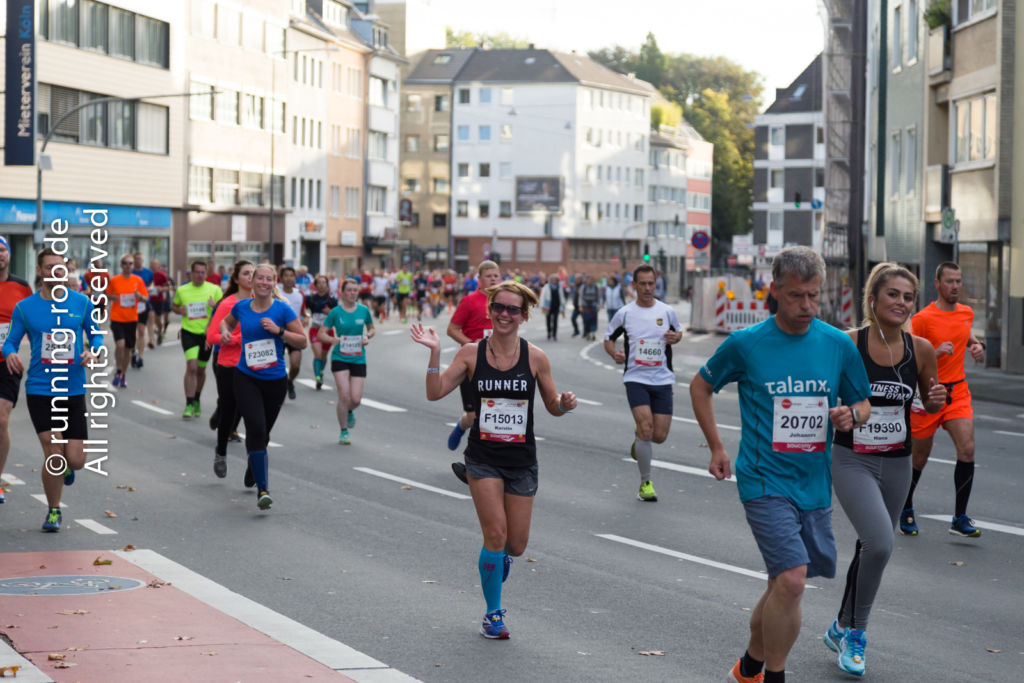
(318, 367)
(260, 466)
(491, 567)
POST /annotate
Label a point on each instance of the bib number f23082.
(800, 424)
(261, 354)
(885, 431)
(503, 419)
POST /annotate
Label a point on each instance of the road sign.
(815, 204)
(700, 239)
(731, 260)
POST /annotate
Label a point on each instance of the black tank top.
(502, 434)
(890, 387)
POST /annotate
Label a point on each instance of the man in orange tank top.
(946, 323)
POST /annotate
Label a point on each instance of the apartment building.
(237, 69)
(124, 158)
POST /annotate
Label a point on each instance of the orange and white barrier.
(721, 304)
(740, 314)
(846, 306)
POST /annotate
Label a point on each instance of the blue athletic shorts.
(789, 537)
(659, 397)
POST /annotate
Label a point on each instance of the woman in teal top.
(348, 328)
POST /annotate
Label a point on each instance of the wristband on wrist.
(561, 409)
(432, 370)
(854, 415)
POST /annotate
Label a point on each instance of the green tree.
(651, 64)
(501, 40)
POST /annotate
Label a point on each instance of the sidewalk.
(145, 618)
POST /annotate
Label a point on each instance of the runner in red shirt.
(468, 325)
(12, 290)
(159, 299)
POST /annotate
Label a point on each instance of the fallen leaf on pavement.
(53, 656)
(958, 563)
(171, 436)
(99, 561)
(128, 547)
(113, 588)
(156, 583)
(992, 649)
(108, 513)
(211, 653)
(286, 578)
(74, 649)
(12, 669)
(650, 653)
(530, 559)
(64, 665)
(131, 488)
(183, 637)
(429, 581)
(73, 611)
(122, 486)
(42, 566)
(407, 488)
(135, 519)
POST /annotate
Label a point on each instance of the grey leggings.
(871, 490)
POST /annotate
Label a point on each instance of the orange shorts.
(924, 425)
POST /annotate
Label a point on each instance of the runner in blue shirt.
(144, 308)
(55, 382)
(349, 328)
(791, 370)
(261, 382)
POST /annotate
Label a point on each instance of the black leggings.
(259, 401)
(226, 405)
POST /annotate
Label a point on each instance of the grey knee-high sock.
(643, 459)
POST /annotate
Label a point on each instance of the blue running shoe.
(264, 501)
(455, 437)
(493, 627)
(344, 438)
(69, 476)
(908, 523)
(508, 565)
(964, 526)
(52, 523)
(834, 636)
(851, 654)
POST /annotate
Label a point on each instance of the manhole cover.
(82, 584)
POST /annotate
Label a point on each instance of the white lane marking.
(390, 333)
(995, 419)
(449, 349)
(992, 526)
(586, 402)
(684, 556)
(92, 525)
(150, 406)
(693, 422)
(410, 482)
(312, 384)
(999, 431)
(42, 499)
(697, 338)
(945, 462)
(272, 444)
(685, 385)
(685, 469)
(329, 652)
(386, 407)
(12, 480)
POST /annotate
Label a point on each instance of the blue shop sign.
(23, 212)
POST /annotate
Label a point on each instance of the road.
(375, 544)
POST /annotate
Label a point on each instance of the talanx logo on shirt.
(797, 386)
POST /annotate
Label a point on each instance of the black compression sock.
(774, 676)
(914, 477)
(963, 478)
(750, 666)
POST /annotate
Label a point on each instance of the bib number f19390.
(503, 419)
(885, 431)
(800, 424)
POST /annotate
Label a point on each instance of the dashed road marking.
(410, 482)
(95, 526)
(697, 338)
(312, 384)
(150, 406)
(588, 403)
(685, 469)
(391, 333)
(386, 407)
(42, 499)
(991, 526)
(693, 422)
(684, 556)
(272, 444)
(12, 480)
(999, 431)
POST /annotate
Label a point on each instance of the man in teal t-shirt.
(791, 371)
(349, 328)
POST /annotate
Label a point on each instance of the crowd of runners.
(820, 407)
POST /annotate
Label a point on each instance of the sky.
(776, 38)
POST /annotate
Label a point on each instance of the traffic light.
(647, 253)
(796, 199)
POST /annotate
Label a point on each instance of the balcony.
(940, 59)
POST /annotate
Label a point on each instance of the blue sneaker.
(851, 655)
(834, 636)
(493, 627)
(908, 524)
(69, 476)
(964, 526)
(344, 438)
(52, 522)
(508, 565)
(455, 437)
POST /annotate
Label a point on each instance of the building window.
(896, 51)
(354, 83)
(151, 41)
(412, 143)
(413, 103)
(122, 33)
(225, 185)
(910, 154)
(227, 106)
(462, 133)
(376, 199)
(277, 190)
(335, 202)
(777, 136)
(970, 9)
(506, 131)
(440, 220)
(228, 25)
(638, 212)
(65, 22)
(638, 177)
(462, 208)
(463, 170)
(440, 143)
(151, 135)
(302, 193)
(440, 185)
(775, 229)
(507, 96)
(319, 195)
(484, 133)
(485, 95)
(485, 170)
(913, 26)
(252, 111)
(484, 208)
(463, 95)
(94, 26)
(975, 135)
(440, 103)
(378, 92)
(411, 184)
(505, 209)
(351, 202)
(504, 170)
(204, 18)
(378, 145)
(896, 164)
(122, 133)
(294, 193)
(252, 189)
(200, 185)
(200, 104)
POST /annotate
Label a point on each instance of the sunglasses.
(127, 263)
(502, 308)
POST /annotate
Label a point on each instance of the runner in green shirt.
(195, 303)
(349, 328)
(403, 280)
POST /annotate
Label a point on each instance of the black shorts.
(400, 298)
(519, 481)
(379, 300)
(190, 339)
(144, 314)
(161, 307)
(66, 415)
(354, 369)
(124, 331)
(10, 384)
(659, 397)
(364, 296)
(289, 349)
(466, 392)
